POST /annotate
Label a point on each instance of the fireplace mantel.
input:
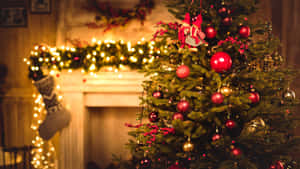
(106, 89)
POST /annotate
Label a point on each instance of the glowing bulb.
(94, 40)
(36, 47)
(110, 68)
(67, 48)
(158, 52)
(25, 59)
(73, 49)
(46, 60)
(122, 57)
(40, 59)
(94, 53)
(143, 39)
(61, 64)
(116, 70)
(107, 58)
(99, 42)
(35, 115)
(141, 51)
(139, 42)
(145, 60)
(94, 59)
(122, 42)
(129, 46)
(151, 52)
(133, 59)
(62, 47)
(120, 76)
(60, 97)
(70, 70)
(92, 67)
(82, 71)
(108, 45)
(102, 54)
(152, 42)
(58, 87)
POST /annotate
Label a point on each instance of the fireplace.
(99, 97)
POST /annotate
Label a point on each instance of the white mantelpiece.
(108, 89)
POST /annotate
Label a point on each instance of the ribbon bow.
(191, 34)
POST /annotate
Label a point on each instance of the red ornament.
(236, 151)
(217, 98)
(216, 137)
(254, 97)
(230, 124)
(153, 117)
(57, 75)
(227, 21)
(76, 58)
(278, 165)
(245, 32)
(183, 71)
(83, 80)
(221, 62)
(183, 106)
(157, 94)
(177, 116)
(210, 32)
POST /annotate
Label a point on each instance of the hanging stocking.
(57, 116)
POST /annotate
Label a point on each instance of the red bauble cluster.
(153, 117)
(221, 62)
(183, 71)
(245, 32)
(236, 151)
(183, 106)
(254, 97)
(217, 98)
(157, 94)
(210, 32)
(230, 124)
(177, 116)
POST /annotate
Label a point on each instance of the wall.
(15, 44)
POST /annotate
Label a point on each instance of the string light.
(44, 155)
(41, 158)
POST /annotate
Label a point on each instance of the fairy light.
(41, 158)
(102, 54)
(94, 40)
(94, 53)
(133, 59)
(36, 47)
(99, 42)
(107, 58)
(88, 56)
(92, 67)
(141, 51)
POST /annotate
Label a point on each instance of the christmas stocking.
(57, 116)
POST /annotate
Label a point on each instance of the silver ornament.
(256, 125)
(289, 94)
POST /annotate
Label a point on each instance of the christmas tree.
(221, 98)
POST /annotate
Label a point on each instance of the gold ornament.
(289, 94)
(257, 125)
(188, 146)
(226, 91)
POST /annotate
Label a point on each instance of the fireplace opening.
(106, 134)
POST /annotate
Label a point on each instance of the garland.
(93, 57)
(114, 17)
